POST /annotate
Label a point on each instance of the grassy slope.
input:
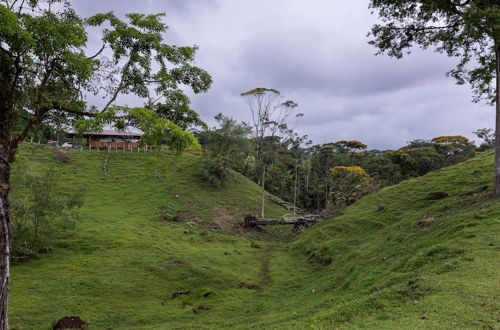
(123, 263)
(418, 264)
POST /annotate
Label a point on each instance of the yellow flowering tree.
(349, 183)
(454, 148)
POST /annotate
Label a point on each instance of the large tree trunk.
(4, 241)
(497, 128)
(7, 148)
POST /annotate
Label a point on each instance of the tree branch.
(97, 54)
(34, 121)
(72, 111)
(49, 68)
(67, 82)
(395, 28)
(4, 160)
(40, 112)
(20, 7)
(120, 85)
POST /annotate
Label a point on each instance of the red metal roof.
(109, 132)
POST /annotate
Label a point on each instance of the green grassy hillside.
(429, 260)
(122, 264)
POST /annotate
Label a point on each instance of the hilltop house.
(108, 139)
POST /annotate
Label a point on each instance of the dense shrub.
(214, 170)
(41, 212)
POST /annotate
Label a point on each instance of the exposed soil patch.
(208, 294)
(168, 217)
(244, 285)
(179, 293)
(325, 261)
(179, 263)
(435, 196)
(61, 155)
(415, 289)
(70, 322)
(216, 226)
(224, 218)
(422, 224)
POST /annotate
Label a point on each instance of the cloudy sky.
(315, 53)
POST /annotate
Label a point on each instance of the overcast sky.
(315, 53)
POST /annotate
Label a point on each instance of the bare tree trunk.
(295, 191)
(7, 120)
(4, 241)
(308, 173)
(497, 127)
(263, 191)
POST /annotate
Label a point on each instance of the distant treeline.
(318, 176)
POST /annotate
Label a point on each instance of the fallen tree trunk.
(302, 220)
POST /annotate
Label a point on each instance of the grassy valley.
(428, 260)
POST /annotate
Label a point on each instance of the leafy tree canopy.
(43, 55)
(466, 29)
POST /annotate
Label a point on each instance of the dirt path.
(266, 256)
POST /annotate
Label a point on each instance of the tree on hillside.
(269, 115)
(466, 29)
(454, 148)
(350, 146)
(488, 137)
(46, 72)
(225, 147)
(353, 148)
(349, 184)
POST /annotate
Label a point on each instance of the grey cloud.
(315, 53)
(290, 65)
(170, 7)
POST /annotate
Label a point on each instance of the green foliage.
(469, 30)
(214, 169)
(488, 137)
(41, 212)
(350, 146)
(426, 159)
(179, 112)
(349, 183)
(454, 148)
(260, 91)
(226, 147)
(382, 169)
(43, 49)
(414, 160)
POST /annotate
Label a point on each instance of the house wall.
(119, 145)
